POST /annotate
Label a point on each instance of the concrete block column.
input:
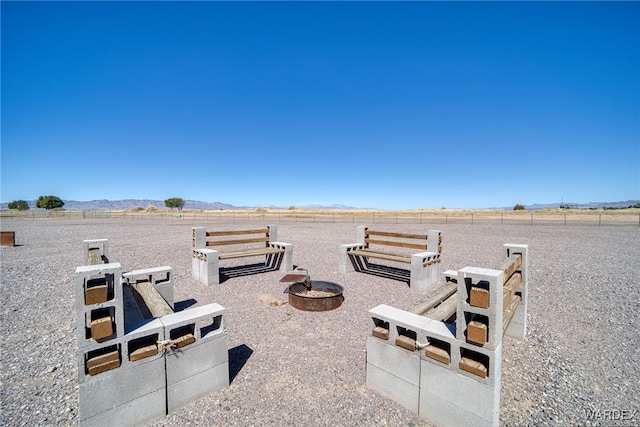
(99, 303)
(425, 270)
(345, 264)
(469, 316)
(199, 238)
(205, 266)
(273, 233)
(197, 361)
(287, 258)
(361, 233)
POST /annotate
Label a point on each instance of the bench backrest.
(424, 242)
(203, 238)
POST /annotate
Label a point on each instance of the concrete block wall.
(129, 394)
(455, 381)
(205, 266)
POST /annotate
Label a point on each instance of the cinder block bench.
(205, 264)
(96, 251)
(445, 363)
(130, 339)
(424, 266)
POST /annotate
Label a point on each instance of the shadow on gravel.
(386, 272)
(181, 305)
(238, 357)
(227, 273)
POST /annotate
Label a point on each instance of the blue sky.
(367, 104)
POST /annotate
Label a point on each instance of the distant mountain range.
(127, 204)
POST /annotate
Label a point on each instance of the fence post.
(531, 218)
(471, 218)
(565, 218)
(501, 218)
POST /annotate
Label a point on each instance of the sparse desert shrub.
(152, 209)
(292, 208)
(518, 207)
(137, 209)
(261, 210)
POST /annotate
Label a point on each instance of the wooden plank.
(473, 367)
(96, 291)
(101, 328)
(238, 241)
(103, 362)
(396, 235)
(396, 244)
(142, 352)
(250, 252)
(509, 289)
(437, 353)
(380, 332)
(406, 342)
(153, 300)
(381, 255)
(479, 297)
(184, 340)
(431, 301)
(237, 232)
(94, 256)
(510, 265)
(445, 310)
(509, 312)
(477, 332)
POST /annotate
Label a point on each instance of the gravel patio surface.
(290, 367)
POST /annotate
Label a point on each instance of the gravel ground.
(290, 367)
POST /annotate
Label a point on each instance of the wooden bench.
(242, 244)
(424, 265)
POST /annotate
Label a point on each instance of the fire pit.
(313, 295)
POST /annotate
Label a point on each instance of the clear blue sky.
(366, 104)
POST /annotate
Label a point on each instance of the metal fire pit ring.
(320, 296)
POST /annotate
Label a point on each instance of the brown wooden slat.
(444, 310)
(509, 312)
(397, 235)
(509, 289)
(397, 244)
(431, 301)
(152, 298)
(381, 255)
(509, 265)
(236, 232)
(238, 241)
(250, 252)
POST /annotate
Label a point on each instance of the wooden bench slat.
(509, 312)
(510, 265)
(250, 252)
(431, 301)
(397, 244)
(444, 310)
(397, 235)
(236, 232)
(152, 298)
(381, 255)
(238, 241)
